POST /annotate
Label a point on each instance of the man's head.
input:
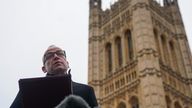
(54, 61)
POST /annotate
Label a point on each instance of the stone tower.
(139, 56)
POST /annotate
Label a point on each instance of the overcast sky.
(28, 27)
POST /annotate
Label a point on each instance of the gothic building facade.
(139, 56)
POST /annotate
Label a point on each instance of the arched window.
(173, 55)
(177, 105)
(134, 102)
(118, 51)
(122, 105)
(157, 43)
(168, 101)
(165, 50)
(129, 45)
(109, 57)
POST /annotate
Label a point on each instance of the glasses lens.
(60, 53)
(48, 56)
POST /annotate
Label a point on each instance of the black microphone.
(73, 101)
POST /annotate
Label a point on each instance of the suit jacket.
(82, 90)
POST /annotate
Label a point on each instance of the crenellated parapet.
(116, 9)
(161, 11)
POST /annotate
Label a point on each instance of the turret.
(172, 7)
(94, 35)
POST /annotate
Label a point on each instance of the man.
(55, 64)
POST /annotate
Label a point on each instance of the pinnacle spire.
(95, 3)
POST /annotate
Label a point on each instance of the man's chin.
(59, 71)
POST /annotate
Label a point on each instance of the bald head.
(51, 47)
(54, 61)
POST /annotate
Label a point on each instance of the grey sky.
(28, 27)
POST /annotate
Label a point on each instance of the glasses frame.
(52, 54)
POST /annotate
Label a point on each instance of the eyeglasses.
(51, 54)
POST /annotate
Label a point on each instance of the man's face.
(55, 62)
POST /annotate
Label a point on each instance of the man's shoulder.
(82, 86)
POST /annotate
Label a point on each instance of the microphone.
(73, 101)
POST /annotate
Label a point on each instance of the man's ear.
(44, 69)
